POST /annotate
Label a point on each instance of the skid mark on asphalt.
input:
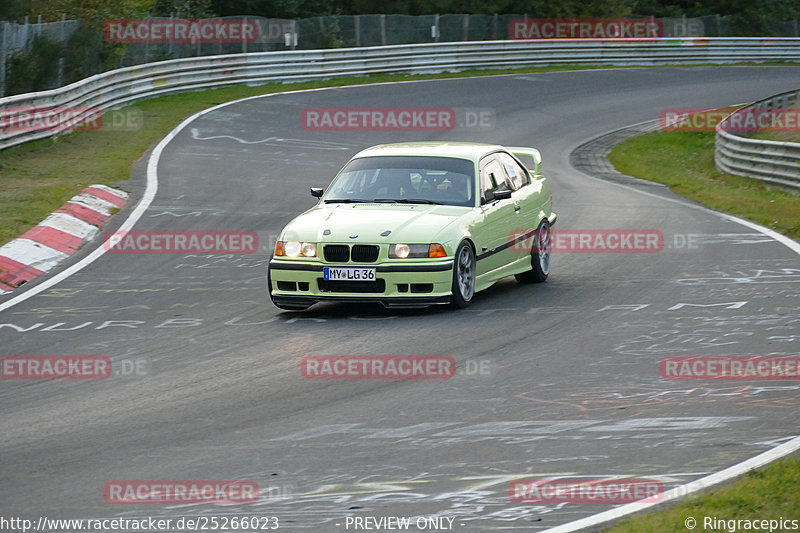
(779, 275)
(697, 335)
(178, 211)
(642, 399)
(276, 141)
(306, 499)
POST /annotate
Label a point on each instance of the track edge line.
(679, 492)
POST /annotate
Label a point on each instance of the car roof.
(462, 150)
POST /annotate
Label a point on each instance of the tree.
(185, 9)
(94, 12)
(13, 10)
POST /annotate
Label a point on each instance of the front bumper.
(407, 284)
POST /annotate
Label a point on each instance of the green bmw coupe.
(417, 224)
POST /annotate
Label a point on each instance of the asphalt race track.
(554, 379)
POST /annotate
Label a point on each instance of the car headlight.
(295, 249)
(415, 251)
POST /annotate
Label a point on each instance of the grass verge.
(769, 493)
(685, 162)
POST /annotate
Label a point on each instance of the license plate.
(349, 274)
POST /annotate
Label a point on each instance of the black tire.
(285, 307)
(540, 256)
(464, 275)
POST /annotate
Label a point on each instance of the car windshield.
(405, 179)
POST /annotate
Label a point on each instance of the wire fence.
(28, 63)
(17, 38)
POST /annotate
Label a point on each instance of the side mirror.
(316, 192)
(502, 194)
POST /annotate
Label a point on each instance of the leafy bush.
(35, 69)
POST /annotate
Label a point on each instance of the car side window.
(516, 174)
(492, 178)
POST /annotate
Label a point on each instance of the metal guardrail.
(119, 87)
(770, 161)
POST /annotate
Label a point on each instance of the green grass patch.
(780, 136)
(769, 493)
(38, 177)
(684, 161)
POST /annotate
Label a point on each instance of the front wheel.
(540, 256)
(464, 273)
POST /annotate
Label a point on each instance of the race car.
(418, 224)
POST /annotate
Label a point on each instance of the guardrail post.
(3, 54)
(244, 41)
(196, 43)
(25, 32)
(357, 28)
(383, 29)
(171, 25)
(147, 41)
(465, 28)
(60, 76)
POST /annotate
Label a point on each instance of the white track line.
(682, 490)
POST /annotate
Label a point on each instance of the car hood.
(369, 223)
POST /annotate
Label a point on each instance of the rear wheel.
(464, 273)
(540, 256)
